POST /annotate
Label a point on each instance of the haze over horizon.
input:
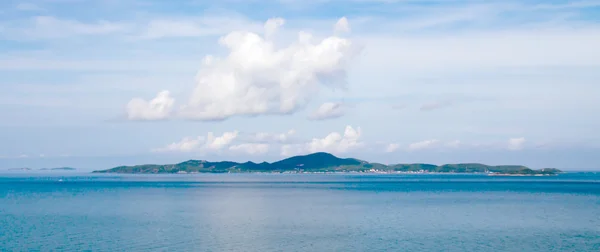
(97, 84)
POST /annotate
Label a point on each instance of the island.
(322, 162)
(58, 169)
(43, 169)
(19, 169)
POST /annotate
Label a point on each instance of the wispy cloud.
(516, 143)
(207, 143)
(513, 144)
(566, 5)
(251, 148)
(190, 27)
(423, 145)
(435, 105)
(454, 144)
(28, 7)
(392, 147)
(50, 27)
(267, 137)
(328, 110)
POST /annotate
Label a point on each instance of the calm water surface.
(263, 212)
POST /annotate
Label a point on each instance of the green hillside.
(322, 162)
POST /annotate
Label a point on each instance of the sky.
(94, 84)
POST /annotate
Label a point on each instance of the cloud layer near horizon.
(350, 140)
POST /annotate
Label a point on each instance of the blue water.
(263, 212)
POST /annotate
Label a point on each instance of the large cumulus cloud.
(257, 77)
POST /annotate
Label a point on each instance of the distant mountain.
(43, 169)
(322, 162)
(309, 163)
(315, 161)
(19, 169)
(58, 169)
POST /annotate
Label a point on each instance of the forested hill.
(322, 162)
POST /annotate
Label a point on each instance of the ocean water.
(267, 212)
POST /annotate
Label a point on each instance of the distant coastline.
(327, 163)
(519, 175)
(44, 169)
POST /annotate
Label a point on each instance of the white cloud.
(201, 143)
(342, 26)
(392, 147)
(255, 143)
(454, 144)
(328, 110)
(251, 148)
(423, 145)
(272, 25)
(292, 149)
(217, 143)
(516, 143)
(187, 144)
(334, 142)
(258, 78)
(156, 109)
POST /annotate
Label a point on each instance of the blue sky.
(94, 84)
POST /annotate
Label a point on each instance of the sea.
(298, 212)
